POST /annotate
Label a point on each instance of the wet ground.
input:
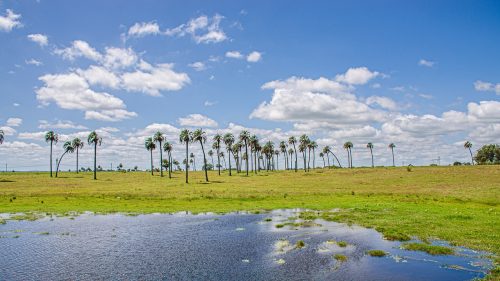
(215, 247)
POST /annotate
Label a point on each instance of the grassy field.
(457, 204)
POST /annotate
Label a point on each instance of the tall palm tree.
(283, 150)
(52, 138)
(303, 143)
(211, 154)
(216, 145)
(1, 136)
(326, 150)
(68, 148)
(313, 146)
(322, 155)
(254, 144)
(392, 146)
(370, 146)
(221, 154)
(150, 146)
(94, 139)
(167, 147)
(468, 145)
(77, 144)
(200, 136)
(236, 155)
(290, 152)
(185, 137)
(292, 141)
(193, 160)
(348, 146)
(159, 138)
(244, 137)
(228, 141)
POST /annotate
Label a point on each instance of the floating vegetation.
(300, 244)
(280, 225)
(430, 249)
(16, 236)
(2, 221)
(282, 246)
(42, 233)
(268, 219)
(342, 244)
(340, 257)
(377, 253)
(396, 236)
(280, 261)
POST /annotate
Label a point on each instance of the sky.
(423, 75)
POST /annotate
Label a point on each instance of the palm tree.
(228, 141)
(283, 150)
(236, 155)
(303, 143)
(290, 151)
(467, 145)
(244, 137)
(313, 146)
(348, 146)
(211, 154)
(326, 150)
(370, 146)
(68, 148)
(392, 146)
(150, 146)
(221, 154)
(77, 145)
(185, 137)
(322, 155)
(158, 137)
(200, 136)
(95, 140)
(53, 138)
(217, 141)
(167, 147)
(192, 160)
(1, 136)
(292, 141)
(254, 144)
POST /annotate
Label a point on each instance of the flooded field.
(270, 246)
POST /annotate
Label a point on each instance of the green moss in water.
(340, 257)
(342, 244)
(300, 244)
(377, 253)
(430, 249)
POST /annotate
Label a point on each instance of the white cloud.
(234, 55)
(60, 124)
(79, 48)
(197, 120)
(119, 58)
(143, 29)
(151, 80)
(9, 21)
(14, 122)
(487, 87)
(33, 62)
(254, 56)
(485, 111)
(209, 103)
(16, 104)
(71, 91)
(357, 76)
(202, 29)
(8, 131)
(40, 39)
(426, 63)
(383, 102)
(198, 66)
(97, 75)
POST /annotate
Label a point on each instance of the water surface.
(214, 247)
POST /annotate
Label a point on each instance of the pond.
(236, 246)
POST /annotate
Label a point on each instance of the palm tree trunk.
(296, 162)
(471, 157)
(277, 160)
(348, 158)
(305, 157)
(328, 158)
(229, 157)
(218, 160)
(204, 161)
(340, 165)
(371, 152)
(95, 160)
(324, 162)
(50, 158)
(246, 152)
(350, 153)
(169, 165)
(161, 160)
(187, 161)
(77, 159)
(59, 162)
(151, 162)
(393, 164)
(308, 159)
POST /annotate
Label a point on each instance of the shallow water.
(213, 247)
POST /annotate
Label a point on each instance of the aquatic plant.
(342, 244)
(377, 253)
(300, 244)
(340, 257)
(430, 249)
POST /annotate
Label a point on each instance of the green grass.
(456, 204)
(430, 249)
(376, 253)
(342, 244)
(340, 257)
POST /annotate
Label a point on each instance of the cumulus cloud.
(71, 91)
(40, 39)
(77, 49)
(153, 79)
(60, 124)
(383, 102)
(143, 29)
(33, 62)
(14, 122)
(234, 55)
(201, 29)
(254, 56)
(426, 63)
(97, 75)
(8, 131)
(357, 76)
(9, 21)
(198, 66)
(197, 120)
(487, 87)
(119, 58)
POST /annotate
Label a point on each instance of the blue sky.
(423, 75)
